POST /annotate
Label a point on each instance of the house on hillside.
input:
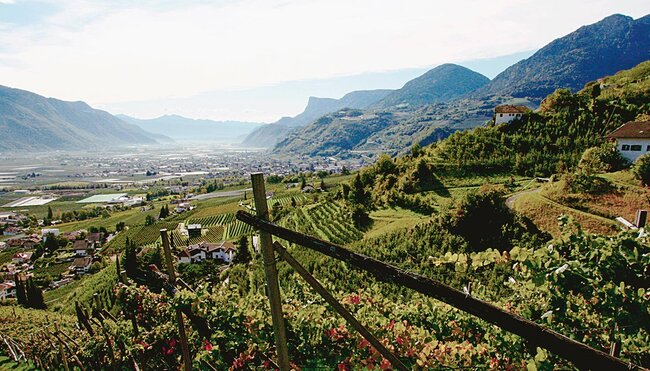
(82, 248)
(507, 113)
(224, 251)
(632, 139)
(7, 290)
(81, 265)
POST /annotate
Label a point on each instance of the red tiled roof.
(633, 129)
(511, 109)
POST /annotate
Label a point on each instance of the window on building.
(501, 115)
(635, 147)
(647, 148)
(625, 147)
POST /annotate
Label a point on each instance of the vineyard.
(210, 221)
(286, 200)
(237, 229)
(327, 220)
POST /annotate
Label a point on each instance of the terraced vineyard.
(286, 199)
(150, 234)
(325, 220)
(209, 221)
(236, 230)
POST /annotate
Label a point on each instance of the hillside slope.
(613, 44)
(30, 122)
(440, 84)
(269, 135)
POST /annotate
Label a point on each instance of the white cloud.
(7, 2)
(116, 53)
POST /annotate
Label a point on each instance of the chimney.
(641, 217)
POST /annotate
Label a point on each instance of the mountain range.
(186, 129)
(615, 43)
(428, 108)
(32, 122)
(268, 135)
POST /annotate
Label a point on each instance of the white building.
(7, 290)
(507, 113)
(632, 139)
(224, 251)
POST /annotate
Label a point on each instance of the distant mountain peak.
(440, 84)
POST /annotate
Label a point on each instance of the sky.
(259, 60)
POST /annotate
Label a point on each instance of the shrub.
(641, 169)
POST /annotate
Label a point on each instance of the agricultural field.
(545, 213)
(328, 221)
(237, 229)
(213, 220)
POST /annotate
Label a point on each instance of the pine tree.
(243, 255)
(50, 214)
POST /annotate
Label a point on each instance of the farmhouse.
(632, 139)
(224, 251)
(81, 265)
(507, 113)
(7, 290)
(82, 248)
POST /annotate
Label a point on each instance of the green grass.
(390, 220)
(7, 363)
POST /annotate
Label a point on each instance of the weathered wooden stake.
(187, 361)
(271, 273)
(313, 282)
(61, 351)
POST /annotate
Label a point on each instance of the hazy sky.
(260, 59)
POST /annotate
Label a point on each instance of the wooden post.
(187, 361)
(61, 351)
(271, 273)
(580, 354)
(340, 309)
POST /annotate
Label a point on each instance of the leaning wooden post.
(61, 351)
(271, 273)
(187, 361)
(339, 308)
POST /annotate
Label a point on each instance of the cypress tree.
(130, 259)
(243, 255)
(21, 295)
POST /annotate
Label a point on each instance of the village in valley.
(56, 217)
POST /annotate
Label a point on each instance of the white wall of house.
(633, 148)
(501, 118)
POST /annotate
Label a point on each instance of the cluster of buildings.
(81, 253)
(223, 251)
